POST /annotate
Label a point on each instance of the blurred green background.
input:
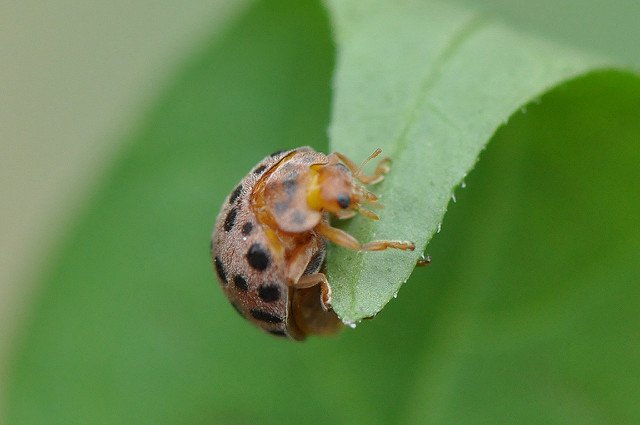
(114, 170)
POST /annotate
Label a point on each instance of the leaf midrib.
(472, 25)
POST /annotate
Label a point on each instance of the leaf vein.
(471, 26)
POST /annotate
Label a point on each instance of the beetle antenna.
(366, 161)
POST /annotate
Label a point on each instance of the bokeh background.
(108, 309)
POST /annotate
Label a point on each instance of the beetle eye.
(343, 200)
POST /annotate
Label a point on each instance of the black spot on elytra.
(220, 269)
(276, 153)
(235, 194)
(241, 283)
(278, 333)
(247, 228)
(260, 169)
(236, 308)
(231, 219)
(258, 257)
(315, 263)
(269, 292)
(264, 316)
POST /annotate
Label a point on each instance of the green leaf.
(429, 83)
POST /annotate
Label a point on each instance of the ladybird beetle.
(269, 243)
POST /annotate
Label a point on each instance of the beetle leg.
(298, 262)
(310, 280)
(342, 238)
(382, 168)
(384, 244)
(296, 279)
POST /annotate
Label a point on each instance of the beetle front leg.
(342, 238)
